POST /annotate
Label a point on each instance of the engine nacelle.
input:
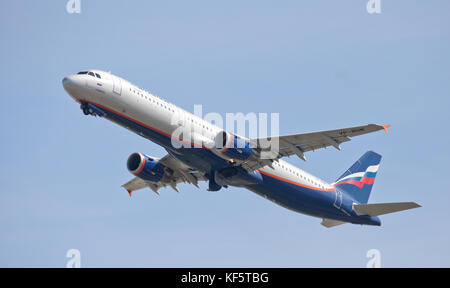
(230, 146)
(145, 168)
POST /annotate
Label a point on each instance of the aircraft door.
(117, 85)
(338, 200)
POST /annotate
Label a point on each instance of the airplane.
(223, 163)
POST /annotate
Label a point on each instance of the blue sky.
(320, 64)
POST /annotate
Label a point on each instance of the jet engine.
(232, 147)
(145, 167)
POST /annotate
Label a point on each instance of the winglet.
(130, 192)
(385, 127)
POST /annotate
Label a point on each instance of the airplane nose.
(72, 85)
(69, 82)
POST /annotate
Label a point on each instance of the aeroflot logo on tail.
(360, 178)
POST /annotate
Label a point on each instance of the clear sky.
(320, 64)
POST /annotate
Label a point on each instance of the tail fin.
(358, 180)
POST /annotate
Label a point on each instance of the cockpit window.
(90, 73)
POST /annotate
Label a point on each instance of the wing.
(298, 144)
(175, 172)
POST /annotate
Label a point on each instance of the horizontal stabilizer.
(331, 223)
(383, 208)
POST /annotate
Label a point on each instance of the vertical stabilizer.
(358, 180)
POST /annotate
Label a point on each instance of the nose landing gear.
(88, 109)
(85, 109)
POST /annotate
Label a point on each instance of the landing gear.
(87, 110)
(212, 185)
(84, 108)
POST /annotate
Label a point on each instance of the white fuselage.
(120, 96)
